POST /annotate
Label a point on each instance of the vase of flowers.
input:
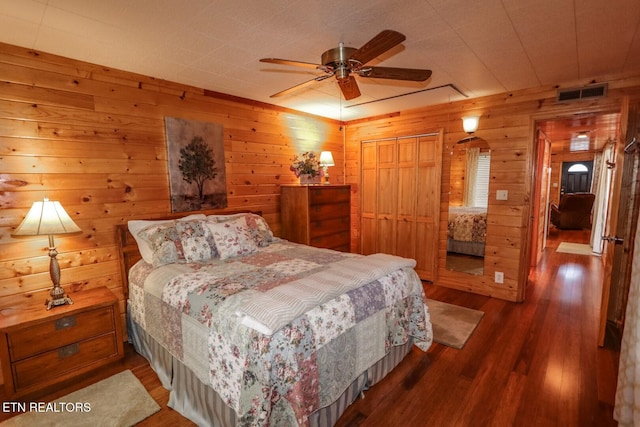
(306, 166)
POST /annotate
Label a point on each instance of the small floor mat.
(575, 248)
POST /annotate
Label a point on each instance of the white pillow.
(232, 237)
(135, 226)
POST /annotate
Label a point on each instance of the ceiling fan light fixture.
(470, 124)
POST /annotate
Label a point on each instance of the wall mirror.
(468, 198)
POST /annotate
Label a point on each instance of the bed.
(244, 328)
(467, 230)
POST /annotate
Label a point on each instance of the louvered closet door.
(401, 199)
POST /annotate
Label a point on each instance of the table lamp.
(47, 218)
(326, 160)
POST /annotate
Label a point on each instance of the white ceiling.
(480, 47)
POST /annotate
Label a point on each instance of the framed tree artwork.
(195, 152)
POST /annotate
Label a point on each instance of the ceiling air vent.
(575, 94)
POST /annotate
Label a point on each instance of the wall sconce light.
(47, 218)
(470, 124)
(326, 160)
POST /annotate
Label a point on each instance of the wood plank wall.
(507, 123)
(93, 138)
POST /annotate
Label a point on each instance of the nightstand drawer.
(56, 363)
(60, 332)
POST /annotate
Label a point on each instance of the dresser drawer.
(58, 362)
(338, 241)
(329, 226)
(322, 195)
(59, 332)
(324, 212)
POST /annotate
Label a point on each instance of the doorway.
(576, 177)
(614, 161)
(574, 162)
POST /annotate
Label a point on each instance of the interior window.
(481, 191)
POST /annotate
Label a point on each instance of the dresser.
(41, 348)
(317, 215)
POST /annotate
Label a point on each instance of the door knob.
(613, 239)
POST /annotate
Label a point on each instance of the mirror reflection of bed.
(468, 197)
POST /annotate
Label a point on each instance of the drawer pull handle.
(68, 350)
(65, 322)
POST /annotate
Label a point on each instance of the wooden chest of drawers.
(317, 215)
(42, 348)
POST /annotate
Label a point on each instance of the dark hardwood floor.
(530, 364)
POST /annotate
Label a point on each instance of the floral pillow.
(135, 226)
(197, 241)
(258, 227)
(260, 231)
(232, 238)
(164, 242)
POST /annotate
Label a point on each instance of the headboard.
(129, 253)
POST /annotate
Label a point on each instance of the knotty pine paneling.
(507, 124)
(93, 138)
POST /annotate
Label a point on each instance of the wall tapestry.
(195, 151)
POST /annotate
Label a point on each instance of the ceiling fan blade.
(300, 86)
(381, 43)
(349, 88)
(413, 74)
(289, 62)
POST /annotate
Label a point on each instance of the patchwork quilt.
(226, 319)
(467, 224)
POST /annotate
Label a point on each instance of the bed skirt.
(466, 248)
(203, 406)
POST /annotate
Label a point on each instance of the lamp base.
(57, 298)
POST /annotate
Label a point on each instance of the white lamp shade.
(46, 218)
(326, 159)
(470, 123)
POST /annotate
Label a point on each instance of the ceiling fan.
(344, 62)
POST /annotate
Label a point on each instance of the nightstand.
(41, 348)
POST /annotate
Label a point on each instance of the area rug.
(452, 324)
(118, 401)
(575, 248)
(465, 263)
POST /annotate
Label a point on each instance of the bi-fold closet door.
(401, 199)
